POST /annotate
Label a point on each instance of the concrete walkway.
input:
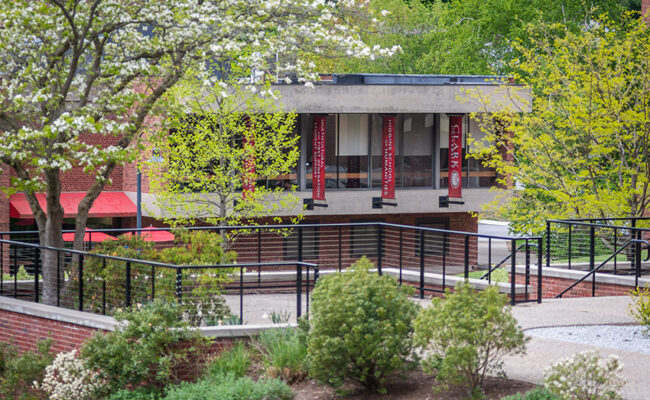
(541, 352)
(581, 311)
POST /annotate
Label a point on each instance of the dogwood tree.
(71, 68)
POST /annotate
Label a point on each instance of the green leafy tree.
(463, 36)
(584, 149)
(73, 69)
(220, 140)
(465, 335)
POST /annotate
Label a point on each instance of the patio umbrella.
(96, 236)
(150, 234)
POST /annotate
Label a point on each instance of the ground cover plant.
(284, 353)
(585, 375)
(19, 371)
(361, 325)
(465, 335)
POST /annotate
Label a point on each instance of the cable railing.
(430, 259)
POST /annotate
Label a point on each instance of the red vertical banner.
(248, 184)
(318, 167)
(388, 157)
(455, 156)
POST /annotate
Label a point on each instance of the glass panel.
(418, 150)
(353, 151)
(375, 143)
(479, 175)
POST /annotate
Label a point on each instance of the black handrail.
(593, 271)
(491, 269)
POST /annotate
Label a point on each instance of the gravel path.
(621, 337)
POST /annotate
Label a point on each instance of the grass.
(498, 275)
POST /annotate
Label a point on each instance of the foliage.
(19, 371)
(466, 334)
(583, 150)
(67, 378)
(137, 394)
(21, 275)
(640, 307)
(231, 388)
(220, 159)
(200, 303)
(144, 349)
(77, 70)
(461, 36)
(284, 354)
(585, 376)
(360, 327)
(234, 361)
(539, 393)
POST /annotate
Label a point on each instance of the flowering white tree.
(100, 67)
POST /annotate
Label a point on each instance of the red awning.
(151, 235)
(89, 236)
(108, 204)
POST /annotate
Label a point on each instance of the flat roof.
(403, 79)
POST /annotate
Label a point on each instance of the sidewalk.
(578, 311)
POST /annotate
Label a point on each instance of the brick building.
(373, 148)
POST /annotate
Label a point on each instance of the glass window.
(353, 151)
(418, 150)
(479, 175)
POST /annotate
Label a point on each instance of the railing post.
(36, 262)
(380, 234)
(299, 289)
(241, 295)
(299, 243)
(104, 289)
(401, 245)
(466, 269)
(58, 278)
(539, 270)
(128, 284)
(637, 262)
(259, 256)
(527, 268)
(340, 248)
(513, 271)
(179, 285)
(592, 249)
(421, 264)
(548, 244)
(81, 282)
(15, 272)
(570, 245)
(2, 265)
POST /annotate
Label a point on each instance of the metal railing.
(417, 251)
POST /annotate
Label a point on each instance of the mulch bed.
(414, 386)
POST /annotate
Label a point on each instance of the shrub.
(67, 378)
(640, 307)
(18, 372)
(231, 388)
(360, 327)
(283, 354)
(466, 335)
(138, 394)
(539, 393)
(234, 361)
(144, 349)
(585, 376)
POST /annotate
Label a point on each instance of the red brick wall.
(552, 286)
(26, 330)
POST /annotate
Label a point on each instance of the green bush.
(138, 394)
(640, 307)
(144, 349)
(234, 361)
(18, 372)
(465, 336)
(231, 388)
(201, 303)
(585, 376)
(539, 393)
(360, 327)
(284, 354)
